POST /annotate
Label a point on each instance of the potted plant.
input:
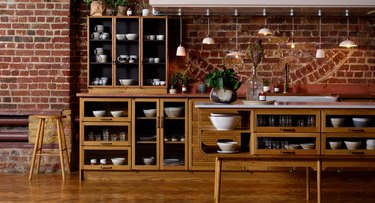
(224, 85)
(173, 80)
(97, 7)
(183, 79)
(145, 7)
(121, 7)
(266, 86)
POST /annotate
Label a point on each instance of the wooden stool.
(39, 144)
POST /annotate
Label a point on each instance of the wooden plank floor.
(196, 187)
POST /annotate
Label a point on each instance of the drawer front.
(105, 109)
(89, 154)
(358, 121)
(348, 143)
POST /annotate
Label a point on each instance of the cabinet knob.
(357, 153)
(287, 152)
(288, 130)
(106, 167)
(356, 130)
(106, 119)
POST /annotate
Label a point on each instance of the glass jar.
(254, 86)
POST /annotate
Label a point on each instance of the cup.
(152, 37)
(99, 51)
(103, 161)
(103, 81)
(160, 37)
(93, 161)
(98, 137)
(320, 53)
(156, 81)
(131, 60)
(162, 82)
(102, 58)
(96, 81)
(123, 136)
(95, 35)
(122, 58)
(91, 136)
(151, 60)
(99, 28)
(133, 56)
(156, 60)
(104, 36)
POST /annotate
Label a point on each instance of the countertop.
(290, 105)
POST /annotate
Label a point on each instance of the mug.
(96, 81)
(95, 35)
(156, 81)
(162, 82)
(102, 58)
(99, 28)
(151, 60)
(131, 60)
(104, 35)
(103, 81)
(156, 60)
(93, 161)
(122, 58)
(135, 57)
(152, 37)
(160, 37)
(99, 51)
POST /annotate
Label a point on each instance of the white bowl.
(120, 36)
(173, 111)
(370, 146)
(352, 144)
(225, 122)
(294, 146)
(227, 146)
(131, 36)
(361, 122)
(126, 81)
(337, 122)
(308, 146)
(224, 114)
(335, 144)
(118, 161)
(149, 112)
(370, 141)
(98, 113)
(148, 160)
(117, 113)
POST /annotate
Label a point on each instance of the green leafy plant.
(173, 79)
(88, 2)
(183, 78)
(266, 83)
(143, 4)
(223, 79)
(116, 3)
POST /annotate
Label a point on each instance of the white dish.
(227, 146)
(223, 114)
(308, 146)
(118, 161)
(227, 152)
(225, 122)
(351, 145)
(294, 146)
(361, 122)
(117, 113)
(335, 144)
(149, 112)
(99, 113)
(131, 36)
(173, 111)
(337, 122)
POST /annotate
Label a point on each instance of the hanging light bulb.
(292, 43)
(320, 53)
(180, 49)
(347, 43)
(236, 53)
(208, 39)
(265, 31)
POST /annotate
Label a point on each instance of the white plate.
(226, 152)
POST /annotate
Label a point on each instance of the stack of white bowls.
(370, 144)
(225, 121)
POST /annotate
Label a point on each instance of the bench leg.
(218, 164)
(307, 183)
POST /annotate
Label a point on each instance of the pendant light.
(180, 49)
(292, 44)
(320, 53)
(265, 31)
(347, 43)
(236, 53)
(208, 39)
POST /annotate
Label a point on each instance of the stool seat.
(38, 147)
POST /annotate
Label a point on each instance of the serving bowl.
(225, 122)
(126, 81)
(149, 112)
(148, 160)
(227, 146)
(131, 36)
(173, 111)
(351, 145)
(120, 36)
(370, 146)
(335, 144)
(294, 146)
(98, 113)
(308, 146)
(361, 122)
(117, 113)
(118, 161)
(337, 122)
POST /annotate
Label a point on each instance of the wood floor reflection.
(198, 187)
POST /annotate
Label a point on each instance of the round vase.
(226, 96)
(202, 88)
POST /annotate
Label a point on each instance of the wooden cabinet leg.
(318, 181)
(307, 183)
(218, 163)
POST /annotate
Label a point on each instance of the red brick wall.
(35, 49)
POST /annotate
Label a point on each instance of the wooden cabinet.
(104, 137)
(159, 135)
(127, 64)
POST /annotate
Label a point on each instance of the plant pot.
(129, 12)
(97, 8)
(172, 89)
(145, 12)
(121, 11)
(202, 88)
(223, 95)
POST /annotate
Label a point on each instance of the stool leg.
(35, 149)
(40, 148)
(60, 149)
(65, 147)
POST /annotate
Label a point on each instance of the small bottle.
(262, 96)
(184, 89)
(276, 89)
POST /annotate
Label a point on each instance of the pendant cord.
(320, 32)
(236, 33)
(180, 30)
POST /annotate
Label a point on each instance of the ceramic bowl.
(118, 161)
(370, 141)
(361, 122)
(308, 146)
(98, 113)
(149, 112)
(173, 111)
(225, 122)
(337, 122)
(294, 146)
(351, 145)
(117, 113)
(149, 160)
(227, 146)
(120, 36)
(131, 36)
(335, 144)
(370, 147)
(126, 81)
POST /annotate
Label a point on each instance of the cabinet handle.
(162, 122)
(356, 130)
(106, 167)
(357, 153)
(106, 119)
(288, 130)
(287, 152)
(106, 143)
